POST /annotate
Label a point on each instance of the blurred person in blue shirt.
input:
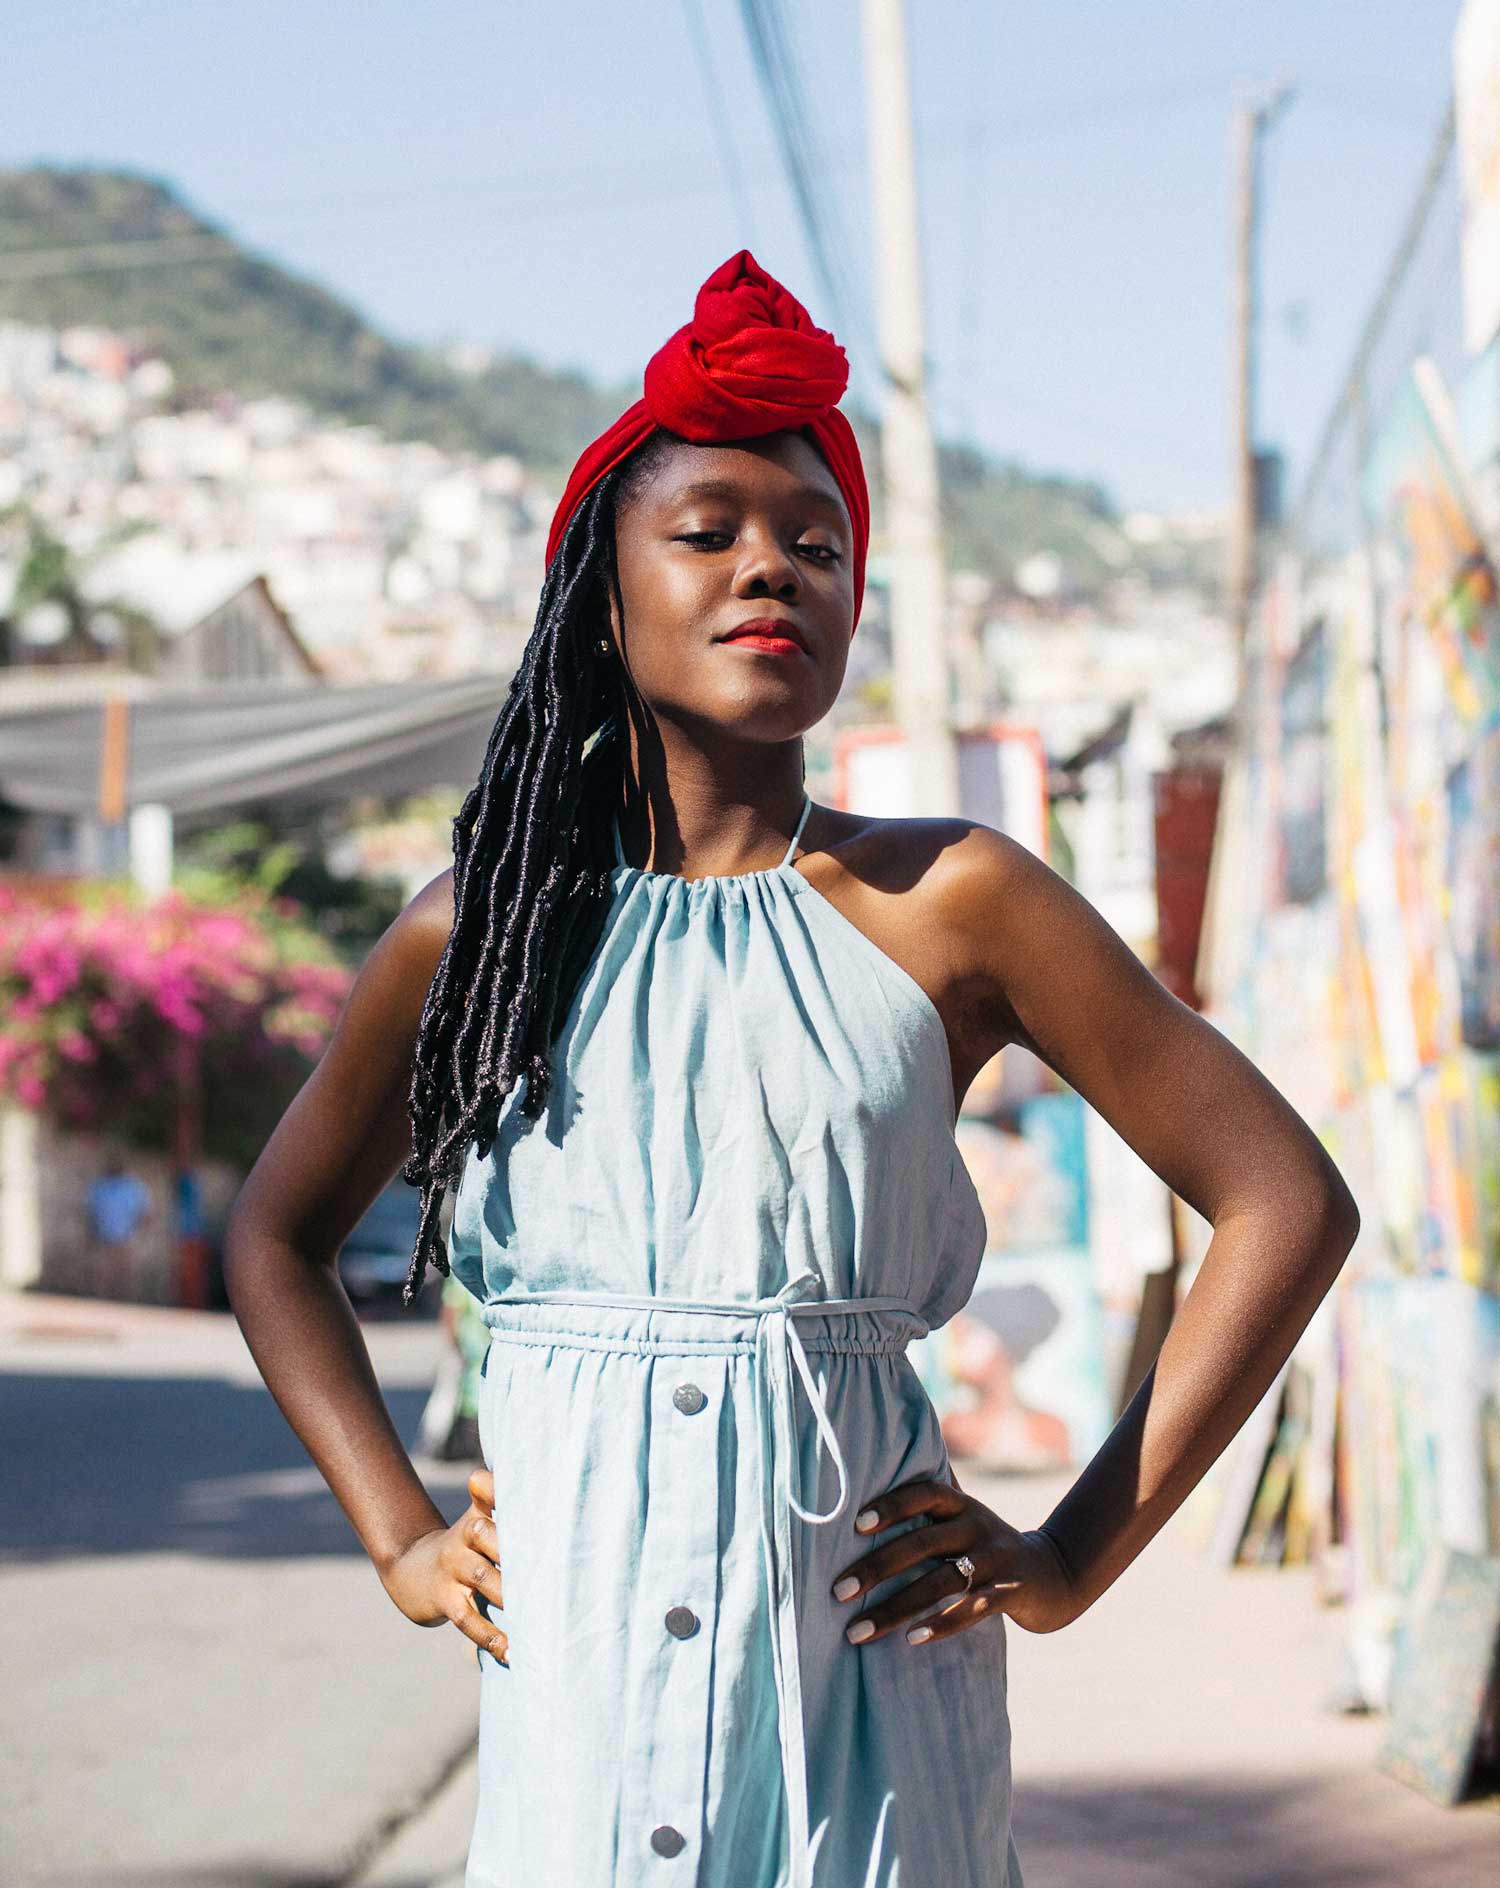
(119, 1205)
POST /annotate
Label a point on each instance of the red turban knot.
(750, 362)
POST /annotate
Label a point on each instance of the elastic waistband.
(617, 1321)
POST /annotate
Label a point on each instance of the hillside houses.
(395, 559)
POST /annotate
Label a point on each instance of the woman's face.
(719, 536)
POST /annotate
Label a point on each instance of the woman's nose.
(767, 570)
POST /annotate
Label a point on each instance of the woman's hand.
(437, 1577)
(1019, 1574)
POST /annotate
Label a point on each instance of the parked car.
(375, 1258)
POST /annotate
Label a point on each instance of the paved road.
(1177, 1736)
(205, 1684)
(206, 1687)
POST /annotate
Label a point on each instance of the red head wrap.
(749, 362)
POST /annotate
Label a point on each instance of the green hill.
(228, 319)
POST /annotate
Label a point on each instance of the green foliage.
(48, 572)
(284, 862)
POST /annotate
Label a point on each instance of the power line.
(1064, 113)
(973, 218)
(723, 125)
(31, 265)
(1020, 398)
(836, 154)
(1344, 97)
(151, 252)
(776, 69)
(1353, 380)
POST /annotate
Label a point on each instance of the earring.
(604, 646)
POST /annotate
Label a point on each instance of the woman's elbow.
(1336, 1220)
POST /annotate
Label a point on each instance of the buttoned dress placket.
(662, 1807)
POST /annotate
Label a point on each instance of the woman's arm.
(1046, 970)
(1034, 963)
(344, 1137)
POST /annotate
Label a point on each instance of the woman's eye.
(825, 553)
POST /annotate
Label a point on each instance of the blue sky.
(554, 177)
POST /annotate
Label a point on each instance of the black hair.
(531, 863)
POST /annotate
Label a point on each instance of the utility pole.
(1252, 119)
(919, 657)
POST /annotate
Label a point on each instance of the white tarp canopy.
(206, 752)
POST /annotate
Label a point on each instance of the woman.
(738, 1625)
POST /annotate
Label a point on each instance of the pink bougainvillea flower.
(102, 995)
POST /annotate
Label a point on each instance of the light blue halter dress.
(701, 1267)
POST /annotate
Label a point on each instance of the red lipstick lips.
(773, 635)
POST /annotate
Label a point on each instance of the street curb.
(426, 1843)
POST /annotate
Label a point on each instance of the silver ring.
(967, 1568)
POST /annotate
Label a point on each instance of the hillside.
(225, 318)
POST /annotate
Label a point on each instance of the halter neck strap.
(797, 830)
(786, 857)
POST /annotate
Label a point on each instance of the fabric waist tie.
(778, 1347)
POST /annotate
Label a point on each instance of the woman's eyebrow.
(726, 488)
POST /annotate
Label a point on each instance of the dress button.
(689, 1398)
(682, 1622)
(666, 1840)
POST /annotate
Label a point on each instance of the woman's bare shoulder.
(427, 918)
(947, 862)
(405, 959)
(925, 891)
(960, 904)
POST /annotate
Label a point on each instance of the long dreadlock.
(531, 866)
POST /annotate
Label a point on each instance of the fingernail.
(918, 1634)
(846, 1588)
(861, 1629)
(866, 1519)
